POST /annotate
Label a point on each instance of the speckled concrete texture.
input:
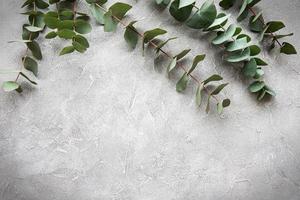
(109, 124)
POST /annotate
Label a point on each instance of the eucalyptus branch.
(258, 25)
(30, 33)
(236, 44)
(68, 24)
(114, 15)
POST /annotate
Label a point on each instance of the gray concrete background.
(110, 125)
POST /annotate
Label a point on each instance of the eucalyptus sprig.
(69, 24)
(113, 16)
(236, 44)
(31, 31)
(257, 24)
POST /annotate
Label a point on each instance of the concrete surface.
(109, 125)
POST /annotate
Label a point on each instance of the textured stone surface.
(110, 125)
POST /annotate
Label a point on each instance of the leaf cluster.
(237, 45)
(112, 16)
(68, 24)
(257, 24)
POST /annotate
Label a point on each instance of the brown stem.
(161, 50)
(260, 19)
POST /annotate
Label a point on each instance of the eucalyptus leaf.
(256, 86)
(130, 35)
(67, 50)
(35, 49)
(199, 94)
(182, 54)
(182, 83)
(204, 17)
(9, 86)
(214, 77)
(31, 65)
(225, 36)
(196, 60)
(180, 14)
(288, 49)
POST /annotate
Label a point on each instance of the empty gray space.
(108, 124)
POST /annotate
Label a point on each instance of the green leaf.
(35, 49)
(172, 65)
(110, 25)
(238, 57)
(41, 4)
(82, 41)
(82, 26)
(260, 62)
(9, 86)
(243, 11)
(50, 21)
(66, 24)
(196, 60)
(66, 34)
(98, 13)
(51, 35)
(249, 68)
(259, 73)
(26, 77)
(255, 25)
(131, 35)
(226, 4)
(225, 36)
(204, 17)
(37, 19)
(256, 86)
(218, 89)
(274, 26)
(119, 9)
(27, 3)
(184, 3)
(33, 28)
(238, 44)
(66, 15)
(99, 2)
(182, 54)
(214, 77)
(31, 65)
(288, 49)
(182, 83)
(219, 21)
(254, 50)
(78, 47)
(67, 50)
(180, 14)
(226, 103)
(240, 36)
(199, 94)
(151, 34)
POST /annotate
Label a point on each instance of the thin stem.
(162, 51)
(260, 19)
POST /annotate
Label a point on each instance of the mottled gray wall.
(109, 125)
